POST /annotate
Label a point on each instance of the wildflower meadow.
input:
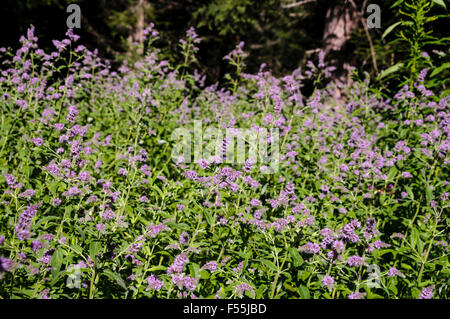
(100, 199)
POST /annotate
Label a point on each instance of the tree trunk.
(341, 20)
(138, 32)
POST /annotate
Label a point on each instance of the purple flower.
(108, 214)
(155, 230)
(327, 233)
(73, 191)
(143, 199)
(6, 264)
(48, 237)
(145, 169)
(36, 245)
(203, 164)
(33, 270)
(178, 280)
(135, 247)
(38, 141)
(355, 261)
(357, 295)
(184, 238)
(10, 180)
(98, 164)
(180, 207)
(71, 35)
(100, 227)
(241, 288)
(255, 202)
(328, 282)
(190, 283)
(66, 163)
(84, 176)
(349, 231)
(423, 72)
(248, 165)
(239, 267)
(154, 283)
(406, 175)
(192, 175)
(56, 202)
(338, 246)
(392, 272)
(211, 266)
(107, 185)
(178, 264)
(47, 256)
(427, 293)
(92, 199)
(58, 126)
(23, 226)
(44, 294)
(379, 244)
(311, 248)
(73, 113)
(27, 194)
(122, 171)
(22, 256)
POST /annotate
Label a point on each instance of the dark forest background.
(283, 34)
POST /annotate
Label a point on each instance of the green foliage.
(366, 183)
(423, 48)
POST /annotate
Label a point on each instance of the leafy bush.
(417, 45)
(94, 207)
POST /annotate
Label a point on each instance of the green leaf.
(428, 193)
(116, 277)
(94, 249)
(440, 69)
(389, 29)
(53, 186)
(57, 259)
(289, 287)
(440, 3)
(45, 220)
(269, 264)
(194, 270)
(415, 237)
(298, 260)
(204, 274)
(304, 275)
(208, 217)
(410, 192)
(392, 173)
(391, 70)
(157, 268)
(76, 248)
(396, 3)
(304, 292)
(181, 226)
(57, 276)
